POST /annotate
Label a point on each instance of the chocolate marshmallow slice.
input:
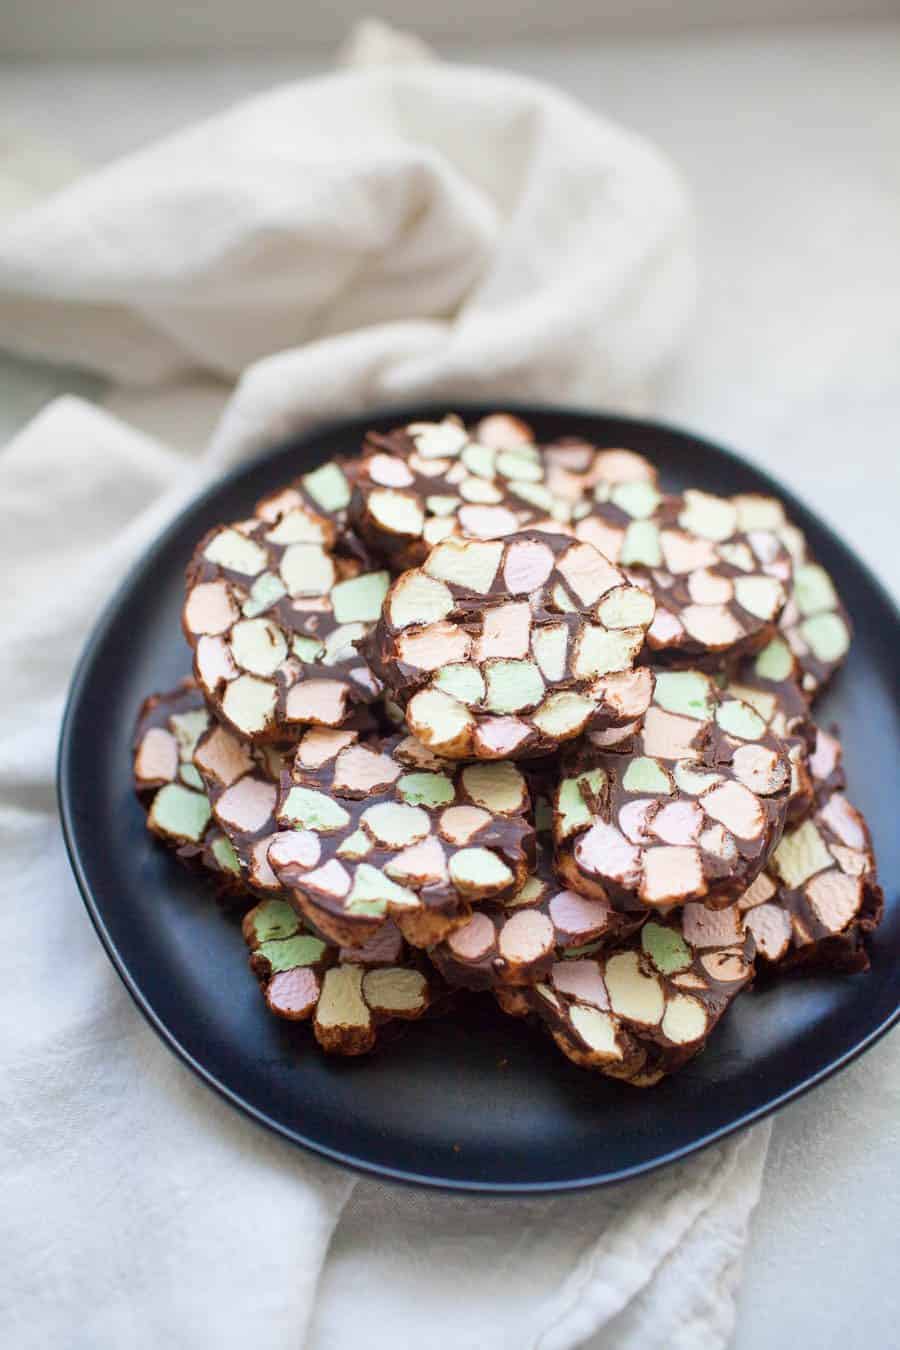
(643, 1010)
(719, 588)
(425, 482)
(819, 895)
(171, 790)
(372, 830)
(274, 616)
(348, 995)
(419, 484)
(690, 807)
(518, 941)
(500, 649)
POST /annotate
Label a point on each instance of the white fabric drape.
(411, 230)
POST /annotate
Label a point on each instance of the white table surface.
(790, 141)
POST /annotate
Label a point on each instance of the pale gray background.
(790, 140)
(98, 27)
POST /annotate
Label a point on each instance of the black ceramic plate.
(477, 1101)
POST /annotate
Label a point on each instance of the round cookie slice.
(422, 483)
(169, 787)
(274, 616)
(819, 895)
(419, 484)
(642, 1011)
(348, 995)
(719, 589)
(689, 808)
(519, 940)
(377, 829)
(498, 649)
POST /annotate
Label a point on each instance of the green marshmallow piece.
(479, 459)
(426, 789)
(179, 812)
(513, 685)
(223, 851)
(528, 894)
(560, 509)
(359, 600)
(287, 954)
(394, 824)
(627, 607)
(497, 786)
(478, 867)
(328, 487)
(709, 517)
(667, 949)
(237, 553)
(740, 720)
(641, 545)
(587, 949)
(522, 468)
(339, 643)
(562, 713)
(765, 704)
(685, 692)
(356, 845)
(373, 891)
(801, 854)
(373, 909)
(645, 775)
(441, 506)
(602, 650)
(188, 728)
(571, 805)
(549, 646)
(813, 589)
(463, 682)
(637, 500)
(310, 810)
(563, 601)
(536, 494)
(827, 636)
(692, 779)
(190, 776)
(760, 596)
(395, 512)
(307, 648)
(273, 921)
(759, 513)
(775, 661)
(266, 591)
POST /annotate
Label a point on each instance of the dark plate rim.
(469, 411)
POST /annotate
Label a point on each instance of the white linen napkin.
(405, 232)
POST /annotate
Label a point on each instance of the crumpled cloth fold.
(372, 236)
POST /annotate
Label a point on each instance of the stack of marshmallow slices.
(472, 713)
